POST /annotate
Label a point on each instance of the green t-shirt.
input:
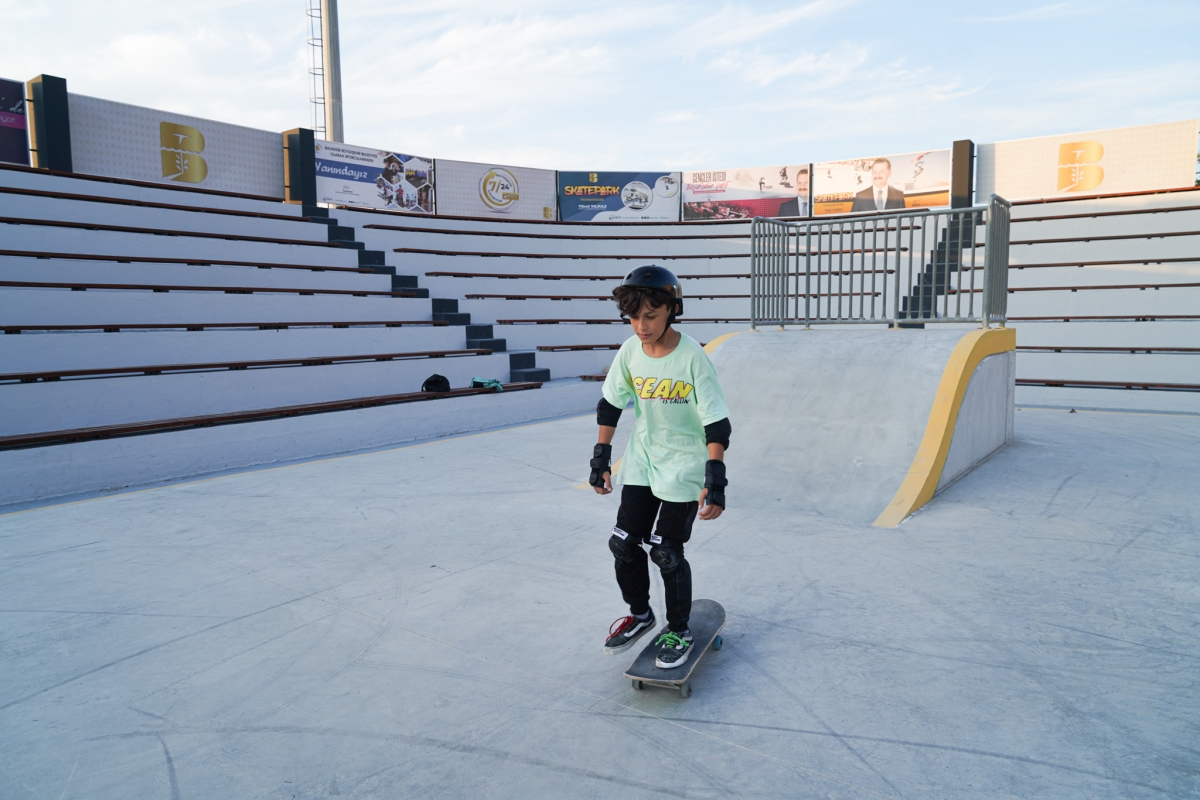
(674, 398)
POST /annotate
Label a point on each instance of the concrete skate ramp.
(861, 426)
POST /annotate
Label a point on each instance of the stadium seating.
(128, 305)
(1116, 273)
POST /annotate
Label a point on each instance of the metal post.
(332, 64)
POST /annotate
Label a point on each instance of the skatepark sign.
(119, 140)
(1138, 159)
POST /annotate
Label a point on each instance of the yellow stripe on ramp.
(922, 479)
(720, 340)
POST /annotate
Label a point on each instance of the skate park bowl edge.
(862, 426)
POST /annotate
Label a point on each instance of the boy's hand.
(708, 511)
(714, 487)
(601, 474)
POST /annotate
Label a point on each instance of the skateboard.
(707, 620)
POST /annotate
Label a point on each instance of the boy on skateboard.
(674, 462)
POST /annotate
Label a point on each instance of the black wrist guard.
(714, 481)
(601, 463)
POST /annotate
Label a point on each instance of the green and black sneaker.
(673, 649)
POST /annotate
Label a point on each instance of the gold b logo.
(181, 148)
(1077, 167)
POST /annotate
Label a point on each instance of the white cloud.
(638, 85)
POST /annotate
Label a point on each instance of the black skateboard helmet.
(652, 276)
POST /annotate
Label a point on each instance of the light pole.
(332, 67)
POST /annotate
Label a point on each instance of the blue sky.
(637, 85)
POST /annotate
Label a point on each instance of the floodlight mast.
(325, 69)
(332, 64)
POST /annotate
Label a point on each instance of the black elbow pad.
(607, 414)
(718, 433)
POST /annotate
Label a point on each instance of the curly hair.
(630, 299)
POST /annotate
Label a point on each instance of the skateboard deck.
(707, 620)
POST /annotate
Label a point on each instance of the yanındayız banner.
(1139, 159)
(745, 193)
(618, 196)
(470, 189)
(882, 183)
(359, 176)
(123, 141)
(14, 139)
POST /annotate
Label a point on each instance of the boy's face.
(650, 323)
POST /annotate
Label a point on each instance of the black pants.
(635, 524)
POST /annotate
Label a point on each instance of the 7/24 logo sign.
(498, 189)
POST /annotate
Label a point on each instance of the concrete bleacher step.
(50, 306)
(482, 336)
(523, 366)
(99, 465)
(446, 310)
(16, 203)
(99, 432)
(408, 283)
(25, 177)
(43, 406)
(58, 270)
(50, 239)
(31, 352)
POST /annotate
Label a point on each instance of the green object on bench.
(487, 383)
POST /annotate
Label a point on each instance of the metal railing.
(909, 267)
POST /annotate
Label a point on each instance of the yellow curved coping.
(921, 482)
(720, 340)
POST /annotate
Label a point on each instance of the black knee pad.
(622, 548)
(667, 559)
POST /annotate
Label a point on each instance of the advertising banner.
(882, 183)
(14, 138)
(746, 193)
(360, 176)
(145, 144)
(619, 196)
(1143, 158)
(469, 189)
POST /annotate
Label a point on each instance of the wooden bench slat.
(171, 287)
(1068, 383)
(199, 326)
(122, 201)
(210, 420)
(1114, 349)
(191, 262)
(309, 361)
(97, 226)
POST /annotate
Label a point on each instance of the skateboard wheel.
(717, 642)
(685, 689)
(637, 684)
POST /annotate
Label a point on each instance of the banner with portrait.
(470, 189)
(125, 141)
(882, 183)
(746, 193)
(619, 196)
(348, 175)
(14, 136)
(1138, 159)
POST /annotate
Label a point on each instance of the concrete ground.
(427, 621)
